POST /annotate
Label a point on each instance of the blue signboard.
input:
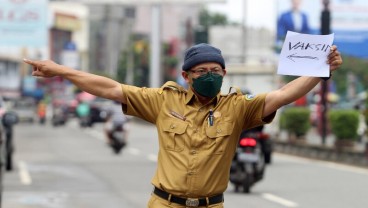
(349, 22)
(70, 46)
(23, 23)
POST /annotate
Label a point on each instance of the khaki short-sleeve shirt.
(194, 157)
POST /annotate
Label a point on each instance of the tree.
(135, 57)
(354, 65)
(206, 20)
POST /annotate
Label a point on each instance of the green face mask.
(208, 85)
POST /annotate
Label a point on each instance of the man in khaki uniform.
(198, 128)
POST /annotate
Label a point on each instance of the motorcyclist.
(41, 111)
(83, 113)
(115, 120)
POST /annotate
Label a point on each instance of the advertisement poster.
(349, 22)
(23, 23)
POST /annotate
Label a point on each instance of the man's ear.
(185, 76)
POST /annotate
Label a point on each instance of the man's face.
(296, 4)
(202, 69)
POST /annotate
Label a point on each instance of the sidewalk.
(312, 148)
(314, 138)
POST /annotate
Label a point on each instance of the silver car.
(26, 109)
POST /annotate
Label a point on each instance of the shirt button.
(190, 173)
(193, 152)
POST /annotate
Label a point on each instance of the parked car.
(98, 109)
(2, 106)
(67, 101)
(26, 109)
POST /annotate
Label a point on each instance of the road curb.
(348, 156)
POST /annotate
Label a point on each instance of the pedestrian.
(198, 128)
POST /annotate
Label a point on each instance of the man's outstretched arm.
(298, 87)
(91, 83)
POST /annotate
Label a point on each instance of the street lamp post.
(155, 61)
(325, 29)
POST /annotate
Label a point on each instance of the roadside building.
(250, 64)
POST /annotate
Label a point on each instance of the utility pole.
(325, 29)
(244, 32)
(155, 61)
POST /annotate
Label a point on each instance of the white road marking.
(152, 157)
(279, 200)
(24, 175)
(347, 168)
(337, 166)
(95, 134)
(134, 151)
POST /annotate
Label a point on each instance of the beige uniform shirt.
(194, 157)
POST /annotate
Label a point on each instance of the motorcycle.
(248, 165)
(265, 141)
(59, 116)
(84, 121)
(116, 137)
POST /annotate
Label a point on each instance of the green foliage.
(207, 19)
(295, 120)
(366, 110)
(102, 73)
(121, 73)
(170, 61)
(344, 123)
(354, 65)
(135, 57)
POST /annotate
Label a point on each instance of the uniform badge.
(217, 114)
(249, 96)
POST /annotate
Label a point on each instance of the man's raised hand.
(44, 68)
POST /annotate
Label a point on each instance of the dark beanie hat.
(202, 53)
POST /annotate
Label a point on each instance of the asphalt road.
(70, 167)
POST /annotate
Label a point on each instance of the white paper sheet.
(305, 55)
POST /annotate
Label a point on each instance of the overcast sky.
(260, 13)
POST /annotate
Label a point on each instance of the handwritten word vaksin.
(294, 55)
(309, 46)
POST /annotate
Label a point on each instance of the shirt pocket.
(217, 137)
(174, 131)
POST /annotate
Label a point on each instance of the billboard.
(23, 23)
(148, 1)
(349, 22)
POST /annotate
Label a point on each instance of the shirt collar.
(191, 96)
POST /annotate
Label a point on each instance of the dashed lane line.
(333, 165)
(152, 157)
(279, 200)
(134, 151)
(95, 134)
(24, 175)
